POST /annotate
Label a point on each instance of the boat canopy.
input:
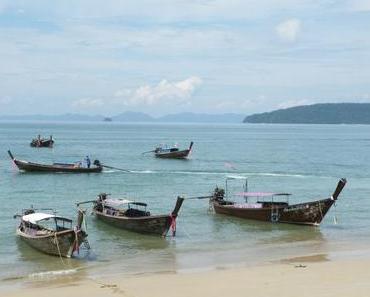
(235, 177)
(111, 202)
(261, 194)
(34, 218)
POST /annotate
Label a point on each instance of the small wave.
(145, 171)
(221, 173)
(280, 174)
(200, 172)
(51, 274)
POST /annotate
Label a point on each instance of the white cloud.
(5, 100)
(359, 5)
(164, 91)
(292, 103)
(289, 30)
(88, 103)
(163, 10)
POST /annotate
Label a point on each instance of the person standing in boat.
(88, 162)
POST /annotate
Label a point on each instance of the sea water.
(305, 160)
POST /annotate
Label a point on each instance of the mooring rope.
(335, 214)
(60, 254)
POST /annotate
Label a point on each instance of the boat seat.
(42, 232)
(248, 205)
(132, 212)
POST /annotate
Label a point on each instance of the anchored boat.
(51, 234)
(42, 142)
(133, 216)
(173, 152)
(56, 167)
(266, 206)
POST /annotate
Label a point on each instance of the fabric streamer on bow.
(173, 225)
(76, 245)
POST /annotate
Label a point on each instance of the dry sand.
(304, 276)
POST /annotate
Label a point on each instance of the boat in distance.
(49, 233)
(173, 152)
(266, 207)
(56, 167)
(133, 216)
(42, 142)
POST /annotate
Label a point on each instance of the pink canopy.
(260, 194)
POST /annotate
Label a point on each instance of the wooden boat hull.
(307, 213)
(35, 167)
(56, 243)
(158, 224)
(174, 155)
(310, 213)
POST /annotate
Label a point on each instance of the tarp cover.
(116, 202)
(260, 194)
(34, 218)
(235, 177)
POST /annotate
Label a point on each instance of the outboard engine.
(102, 196)
(97, 163)
(99, 203)
(218, 194)
(29, 211)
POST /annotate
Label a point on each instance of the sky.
(168, 56)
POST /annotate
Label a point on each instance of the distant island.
(327, 113)
(130, 116)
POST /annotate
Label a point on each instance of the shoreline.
(311, 275)
(278, 274)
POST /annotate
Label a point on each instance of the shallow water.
(306, 160)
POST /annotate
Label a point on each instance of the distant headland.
(327, 113)
(130, 116)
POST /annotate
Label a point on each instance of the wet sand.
(302, 276)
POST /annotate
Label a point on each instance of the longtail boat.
(42, 142)
(133, 216)
(51, 234)
(267, 206)
(56, 167)
(173, 152)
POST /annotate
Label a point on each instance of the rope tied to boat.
(59, 252)
(335, 214)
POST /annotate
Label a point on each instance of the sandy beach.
(305, 276)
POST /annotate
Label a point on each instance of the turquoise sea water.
(306, 160)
